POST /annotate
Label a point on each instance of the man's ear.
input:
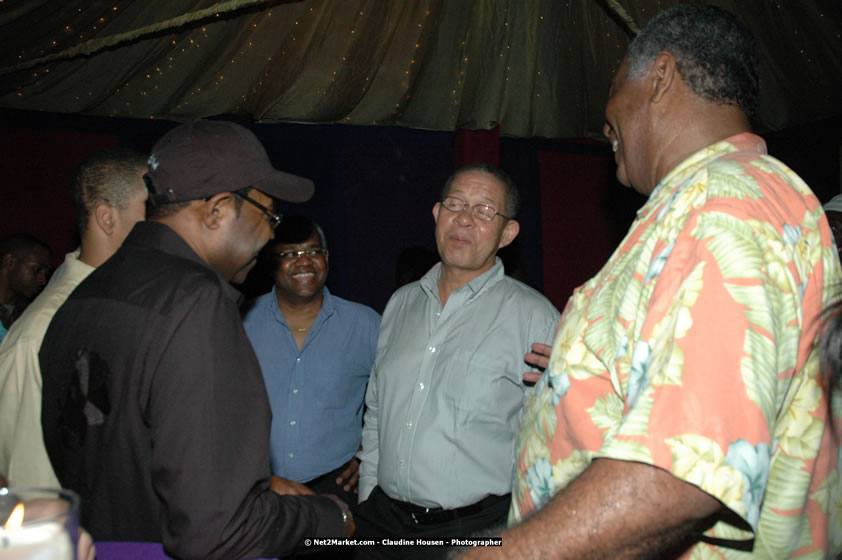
(104, 218)
(218, 209)
(510, 231)
(663, 74)
(436, 209)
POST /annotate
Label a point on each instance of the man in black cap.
(154, 407)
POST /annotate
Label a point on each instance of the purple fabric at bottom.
(125, 550)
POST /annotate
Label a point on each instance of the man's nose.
(466, 216)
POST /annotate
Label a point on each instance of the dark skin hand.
(285, 486)
(350, 476)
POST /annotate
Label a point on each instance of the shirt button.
(295, 391)
(408, 425)
(297, 360)
(432, 349)
(292, 455)
(292, 422)
(420, 386)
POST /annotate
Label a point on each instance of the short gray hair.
(716, 55)
(510, 190)
(105, 177)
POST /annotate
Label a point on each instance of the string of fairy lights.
(153, 78)
(87, 23)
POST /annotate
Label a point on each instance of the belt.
(432, 516)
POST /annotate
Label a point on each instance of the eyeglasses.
(481, 211)
(273, 219)
(298, 254)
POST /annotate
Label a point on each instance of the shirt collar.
(430, 281)
(326, 311)
(161, 237)
(743, 142)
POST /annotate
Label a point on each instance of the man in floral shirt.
(682, 412)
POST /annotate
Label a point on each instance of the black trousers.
(382, 517)
(326, 484)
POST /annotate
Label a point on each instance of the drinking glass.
(38, 523)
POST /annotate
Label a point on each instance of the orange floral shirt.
(694, 350)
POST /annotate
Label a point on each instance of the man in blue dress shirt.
(316, 351)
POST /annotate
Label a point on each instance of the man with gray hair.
(109, 197)
(682, 409)
(445, 395)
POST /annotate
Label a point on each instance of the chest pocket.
(339, 385)
(481, 383)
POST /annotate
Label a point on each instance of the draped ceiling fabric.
(536, 68)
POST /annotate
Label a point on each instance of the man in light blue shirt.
(316, 351)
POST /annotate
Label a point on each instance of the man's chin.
(622, 178)
(240, 276)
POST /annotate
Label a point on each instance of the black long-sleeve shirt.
(155, 410)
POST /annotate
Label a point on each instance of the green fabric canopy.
(533, 67)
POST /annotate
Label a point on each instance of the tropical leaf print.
(638, 380)
(784, 493)
(700, 461)
(533, 441)
(757, 369)
(731, 181)
(539, 479)
(731, 242)
(748, 220)
(607, 412)
(780, 488)
(799, 431)
(753, 462)
(626, 450)
(829, 498)
(565, 470)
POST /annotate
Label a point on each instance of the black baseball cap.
(201, 158)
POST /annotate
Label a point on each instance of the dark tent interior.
(378, 102)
